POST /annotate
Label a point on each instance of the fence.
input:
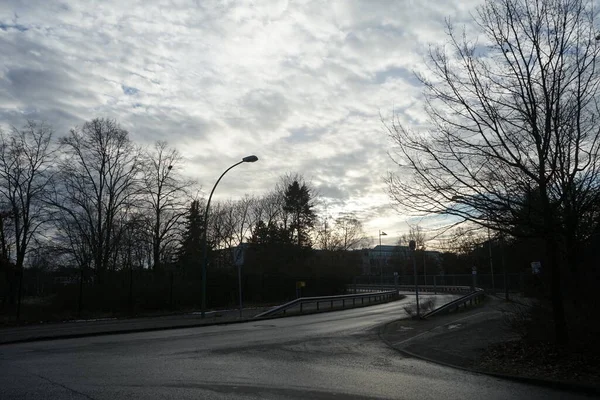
(47, 296)
(408, 288)
(499, 283)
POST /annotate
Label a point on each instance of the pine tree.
(190, 252)
(298, 204)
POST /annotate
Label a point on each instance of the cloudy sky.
(299, 83)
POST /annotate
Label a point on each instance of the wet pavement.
(457, 338)
(336, 355)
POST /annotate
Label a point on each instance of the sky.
(301, 84)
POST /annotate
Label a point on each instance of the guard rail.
(473, 295)
(409, 288)
(476, 297)
(321, 303)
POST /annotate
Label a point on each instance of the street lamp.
(491, 260)
(205, 245)
(412, 245)
(381, 233)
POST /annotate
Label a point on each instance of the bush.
(424, 307)
(532, 322)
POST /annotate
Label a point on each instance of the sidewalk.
(456, 338)
(80, 328)
(459, 339)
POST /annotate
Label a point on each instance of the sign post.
(238, 259)
(299, 286)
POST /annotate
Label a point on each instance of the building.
(389, 259)
(380, 259)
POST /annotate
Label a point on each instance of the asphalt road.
(334, 355)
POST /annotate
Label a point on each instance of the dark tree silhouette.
(298, 204)
(511, 113)
(98, 183)
(164, 194)
(26, 161)
(190, 252)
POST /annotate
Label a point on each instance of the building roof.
(388, 248)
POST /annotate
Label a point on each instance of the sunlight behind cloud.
(301, 84)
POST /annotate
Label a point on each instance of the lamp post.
(491, 260)
(424, 266)
(205, 245)
(381, 233)
(412, 245)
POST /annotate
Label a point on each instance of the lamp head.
(250, 159)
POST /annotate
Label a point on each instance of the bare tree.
(268, 208)
(345, 233)
(231, 223)
(325, 236)
(222, 224)
(26, 160)
(244, 218)
(417, 234)
(99, 180)
(512, 116)
(165, 195)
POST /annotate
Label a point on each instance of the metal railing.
(332, 302)
(514, 282)
(410, 288)
(472, 298)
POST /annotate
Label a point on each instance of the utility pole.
(381, 233)
(413, 246)
(504, 269)
(425, 266)
(491, 261)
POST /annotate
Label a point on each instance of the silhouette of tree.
(511, 114)
(299, 206)
(98, 183)
(190, 252)
(164, 194)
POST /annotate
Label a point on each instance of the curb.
(558, 385)
(171, 327)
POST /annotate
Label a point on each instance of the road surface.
(334, 355)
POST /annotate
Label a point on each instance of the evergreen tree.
(298, 204)
(270, 234)
(190, 252)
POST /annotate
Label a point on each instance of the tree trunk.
(553, 253)
(20, 292)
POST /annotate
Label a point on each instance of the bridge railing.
(323, 303)
(409, 288)
(471, 296)
(372, 294)
(474, 297)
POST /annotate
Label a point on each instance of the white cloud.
(298, 83)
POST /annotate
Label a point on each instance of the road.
(334, 355)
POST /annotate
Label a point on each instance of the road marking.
(439, 326)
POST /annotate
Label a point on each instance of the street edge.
(172, 327)
(560, 385)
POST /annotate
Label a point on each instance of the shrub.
(532, 322)
(424, 306)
